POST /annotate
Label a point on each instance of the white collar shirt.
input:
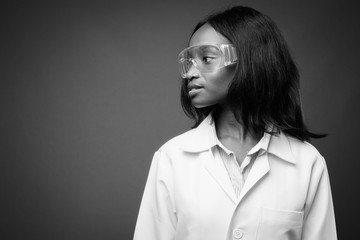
(237, 174)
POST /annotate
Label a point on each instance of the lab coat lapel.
(198, 142)
(279, 146)
(258, 171)
(218, 171)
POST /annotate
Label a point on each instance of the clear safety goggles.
(206, 58)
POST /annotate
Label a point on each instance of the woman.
(246, 170)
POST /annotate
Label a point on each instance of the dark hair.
(265, 89)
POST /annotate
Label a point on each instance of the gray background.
(90, 90)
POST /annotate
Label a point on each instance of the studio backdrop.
(90, 90)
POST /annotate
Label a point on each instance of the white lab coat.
(188, 194)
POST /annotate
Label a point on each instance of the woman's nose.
(193, 72)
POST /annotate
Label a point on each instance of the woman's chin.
(200, 104)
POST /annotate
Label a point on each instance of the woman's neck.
(227, 127)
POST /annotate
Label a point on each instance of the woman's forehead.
(206, 34)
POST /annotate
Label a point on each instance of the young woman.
(246, 169)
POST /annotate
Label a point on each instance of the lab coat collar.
(280, 146)
(198, 140)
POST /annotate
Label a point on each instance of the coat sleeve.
(157, 215)
(319, 219)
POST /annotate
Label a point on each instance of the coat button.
(237, 234)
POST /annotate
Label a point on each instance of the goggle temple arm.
(230, 55)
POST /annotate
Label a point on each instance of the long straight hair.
(265, 89)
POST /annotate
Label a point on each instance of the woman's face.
(207, 89)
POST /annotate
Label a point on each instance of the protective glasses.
(206, 58)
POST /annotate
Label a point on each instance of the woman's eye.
(207, 59)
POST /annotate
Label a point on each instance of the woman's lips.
(193, 86)
(194, 89)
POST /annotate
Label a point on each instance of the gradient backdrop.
(90, 90)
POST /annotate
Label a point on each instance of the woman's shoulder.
(194, 140)
(178, 141)
(305, 151)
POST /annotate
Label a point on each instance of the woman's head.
(264, 88)
(203, 66)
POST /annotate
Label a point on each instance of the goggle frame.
(228, 57)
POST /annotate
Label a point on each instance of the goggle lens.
(206, 58)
